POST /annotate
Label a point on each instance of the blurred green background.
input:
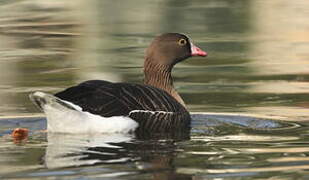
(258, 59)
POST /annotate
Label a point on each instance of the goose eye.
(182, 42)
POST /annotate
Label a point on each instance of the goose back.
(154, 109)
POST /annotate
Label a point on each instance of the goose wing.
(116, 99)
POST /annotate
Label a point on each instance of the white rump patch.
(66, 117)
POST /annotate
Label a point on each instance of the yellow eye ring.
(182, 42)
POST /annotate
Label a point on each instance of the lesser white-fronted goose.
(152, 107)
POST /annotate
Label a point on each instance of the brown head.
(163, 53)
(171, 48)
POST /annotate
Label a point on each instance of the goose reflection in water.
(69, 150)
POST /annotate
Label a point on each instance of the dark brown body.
(154, 109)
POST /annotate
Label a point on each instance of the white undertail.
(66, 117)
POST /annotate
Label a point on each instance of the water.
(257, 67)
(221, 146)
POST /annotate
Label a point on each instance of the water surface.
(221, 146)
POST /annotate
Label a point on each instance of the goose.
(99, 106)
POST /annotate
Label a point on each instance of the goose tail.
(44, 100)
(62, 116)
(66, 117)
